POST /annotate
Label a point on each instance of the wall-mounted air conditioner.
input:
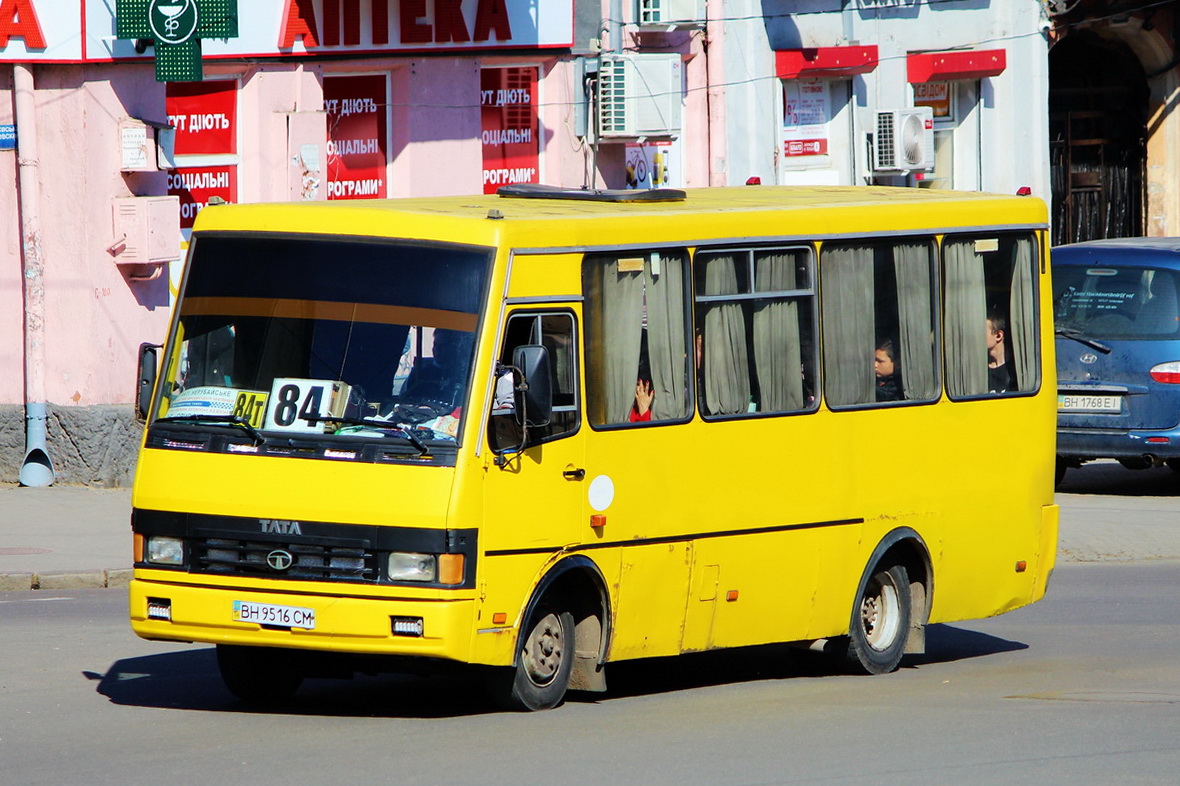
(639, 95)
(667, 14)
(904, 140)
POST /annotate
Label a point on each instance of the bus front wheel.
(258, 675)
(544, 661)
(880, 622)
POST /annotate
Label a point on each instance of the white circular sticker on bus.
(602, 493)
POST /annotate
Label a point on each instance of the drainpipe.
(37, 469)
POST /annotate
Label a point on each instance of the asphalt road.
(1083, 688)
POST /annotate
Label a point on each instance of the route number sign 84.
(294, 405)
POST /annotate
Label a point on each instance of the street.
(1083, 687)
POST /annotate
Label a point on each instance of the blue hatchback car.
(1118, 352)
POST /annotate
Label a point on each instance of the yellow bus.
(545, 430)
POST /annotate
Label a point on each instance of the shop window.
(754, 345)
(637, 337)
(990, 322)
(878, 322)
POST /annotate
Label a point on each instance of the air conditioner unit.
(670, 13)
(639, 95)
(904, 140)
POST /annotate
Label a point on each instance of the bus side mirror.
(149, 359)
(533, 396)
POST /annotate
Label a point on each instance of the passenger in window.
(999, 379)
(645, 394)
(888, 372)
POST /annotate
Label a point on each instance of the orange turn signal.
(450, 568)
(137, 547)
(731, 596)
(598, 520)
(499, 618)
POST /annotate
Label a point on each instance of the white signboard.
(806, 110)
(84, 30)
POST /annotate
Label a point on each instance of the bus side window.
(990, 323)
(638, 351)
(755, 326)
(556, 332)
(878, 322)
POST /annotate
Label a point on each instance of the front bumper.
(346, 624)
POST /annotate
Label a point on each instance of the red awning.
(825, 62)
(944, 66)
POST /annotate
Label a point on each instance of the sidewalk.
(64, 537)
(70, 537)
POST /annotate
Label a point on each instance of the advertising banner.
(357, 133)
(204, 115)
(508, 115)
(195, 185)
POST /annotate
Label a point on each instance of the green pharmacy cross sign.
(176, 28)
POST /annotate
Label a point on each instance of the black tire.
(1060, 472)
(880, 622)
(258, 675)
(1173, 464)
(545, 658)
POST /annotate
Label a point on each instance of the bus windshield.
(324, 336)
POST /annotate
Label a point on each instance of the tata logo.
(277, 527)
(279, 560)
(1088, 358)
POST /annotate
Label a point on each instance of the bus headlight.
(407, 566)
(165, 551)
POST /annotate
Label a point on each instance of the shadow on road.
(189, 680)
(1110, 477)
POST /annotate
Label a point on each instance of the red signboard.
(357, 158)
(195, 185)
(511, 149)
(204, 115)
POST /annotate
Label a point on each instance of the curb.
(66, 580)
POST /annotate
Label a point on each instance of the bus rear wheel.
(544, 662)
(880, 622)
(258, 675)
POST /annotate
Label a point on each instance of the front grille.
(312, 562)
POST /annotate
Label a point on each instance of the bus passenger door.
(533, 498)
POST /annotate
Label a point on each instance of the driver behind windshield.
(441, 379)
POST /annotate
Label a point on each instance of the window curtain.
(911, 265)
(726, 363)
(666, 338)
(1021, 321)
(966, 320)
(622, 332)
(848, 324)
(777, 358)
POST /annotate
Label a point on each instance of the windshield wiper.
(1078, 337)
(227, 420)
(381, 425)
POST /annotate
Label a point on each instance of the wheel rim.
(544, 650)
(880, 612)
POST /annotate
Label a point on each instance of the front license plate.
(270, 614)
(1081, 403)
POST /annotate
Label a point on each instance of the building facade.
(360, 99)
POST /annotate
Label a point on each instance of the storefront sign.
(176, 28)
(806, 111)
(357, 131)
(204, 116)
(508, 114)
(79, 30)
(196, 185)
(936, 95)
